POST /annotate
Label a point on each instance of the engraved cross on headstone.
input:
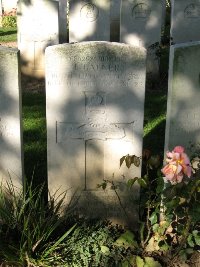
(94, 130)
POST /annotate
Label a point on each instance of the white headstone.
(141, 23)
(38, 27)
(185, 21)
(11, 156)
(89, 20)
(183, 110)
(95, 106)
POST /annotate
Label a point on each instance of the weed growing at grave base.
(30, 229)
(169, 226)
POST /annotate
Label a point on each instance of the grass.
(34, 125)
(8, 34)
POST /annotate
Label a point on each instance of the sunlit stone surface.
(38, 27)
(95, 106)
(89, 20)
(11, 155)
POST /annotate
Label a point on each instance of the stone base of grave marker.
(95, 105)
(11, 156)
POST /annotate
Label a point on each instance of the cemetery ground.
(35, 233)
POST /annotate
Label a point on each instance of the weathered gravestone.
(141, 23)
(95, 98)
(89, 20)
(11, 156)
(115, 20)
(38, 27)
(183, 110)
(185, 21)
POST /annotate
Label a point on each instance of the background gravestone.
(95, 105)
(115, 20)
(89, 20)
(38, 27)
(141, 23)
(183, 110)
(185, 20)
(11, 156)
(63, 21)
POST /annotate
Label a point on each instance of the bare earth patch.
(9, 44)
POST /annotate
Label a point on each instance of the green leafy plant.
(30, 228)
(9, 21)
(169, 227)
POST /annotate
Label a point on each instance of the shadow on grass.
(9, 32)
(34, 134)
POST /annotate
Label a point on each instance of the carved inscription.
(141, 11)
(89, 12)
(84, 73)
(192, 11)
(96, 124)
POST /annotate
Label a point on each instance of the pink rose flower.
(178, 165)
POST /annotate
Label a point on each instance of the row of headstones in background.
(95, 107)
(42, 23)
(185, 21)
(38, 27)
(11, 152)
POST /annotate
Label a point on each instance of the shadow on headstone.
(95, 105)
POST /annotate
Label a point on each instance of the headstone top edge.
(193, 43)
(8, 49)
(93, 43)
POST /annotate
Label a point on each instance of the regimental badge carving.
(96, 124)
(192, 11)
(141, 11)
(89, 12)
